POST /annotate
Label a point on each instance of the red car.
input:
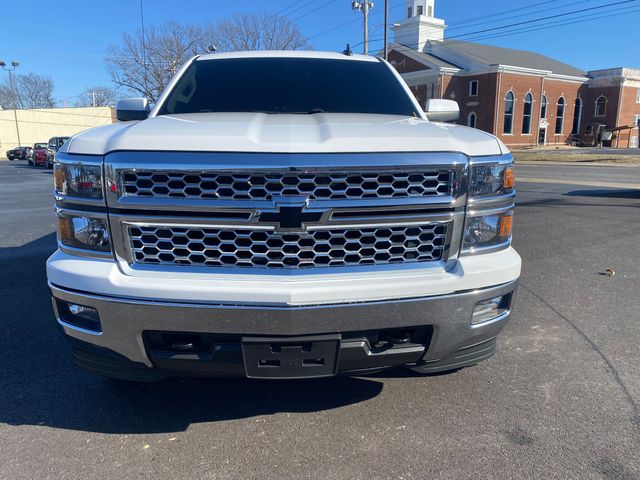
(39, 155)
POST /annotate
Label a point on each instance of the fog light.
(489, 309)
(79, 316)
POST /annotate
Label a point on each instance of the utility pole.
(144, 51)
(93, 98)
(364, 7)
(14, 64)
(386, 29)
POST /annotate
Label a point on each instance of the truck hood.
(284, 133)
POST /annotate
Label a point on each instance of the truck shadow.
(608, 193)
(40, 385)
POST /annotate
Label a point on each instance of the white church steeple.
(419, 25)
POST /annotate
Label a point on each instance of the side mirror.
(442, 110)
(132, 109)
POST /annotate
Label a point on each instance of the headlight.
(484, 231)
(78, 180)
(491, 180)
(83, 232)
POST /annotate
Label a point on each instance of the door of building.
(542, 136)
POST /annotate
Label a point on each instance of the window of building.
(430, 11)
(634, 141)
(473, 88)
(601, 106)
(410, 12)
(636, 120)
(419, 10)
(560, 116)
(577, 116)
(471, 120)
(509, 103)
(526, 114)
(543, 107)
(638, 96)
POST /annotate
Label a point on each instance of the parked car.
(54, 145)
(299, 226)
(38, 155)
(18, 153)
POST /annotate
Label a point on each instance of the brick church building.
(522, 97)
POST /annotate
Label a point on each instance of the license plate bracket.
(291, 357)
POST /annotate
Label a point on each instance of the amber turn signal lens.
(65, 229)
(508, 178)
(504, 228)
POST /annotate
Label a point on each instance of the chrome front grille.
(326, 185)
(245, 247)
(284, 213)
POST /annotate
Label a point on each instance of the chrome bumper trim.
(123, 320)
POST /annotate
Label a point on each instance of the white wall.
(39, 125)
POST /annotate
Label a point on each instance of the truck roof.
(287, 54)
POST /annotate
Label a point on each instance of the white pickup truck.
(282, 215)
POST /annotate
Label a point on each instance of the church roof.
(429, 57)
(491, 55)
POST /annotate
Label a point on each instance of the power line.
(593, 16)
(358, 20)
(548, 17)
(308, 2)
(459, 25)
(581, 19)
(534, 20)
(298, 2)
(504, 12)
(462, 22)
(278, 15)
(326, 4)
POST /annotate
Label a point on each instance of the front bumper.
(448, 340)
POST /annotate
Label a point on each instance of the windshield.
(288, 85)
(40, 145)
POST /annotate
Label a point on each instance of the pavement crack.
(612, 369)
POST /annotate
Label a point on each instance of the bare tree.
(144, 64)
(28, 91)
(36, 91)
(8, 97)
(97, 97)
(258, 31)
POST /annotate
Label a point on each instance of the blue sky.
(66, 39)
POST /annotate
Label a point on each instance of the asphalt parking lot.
(559, 400)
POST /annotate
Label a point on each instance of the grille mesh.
(265, 185)
(339, 247)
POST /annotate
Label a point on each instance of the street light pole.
(14, 65)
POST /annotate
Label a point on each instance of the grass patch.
(556, 156)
